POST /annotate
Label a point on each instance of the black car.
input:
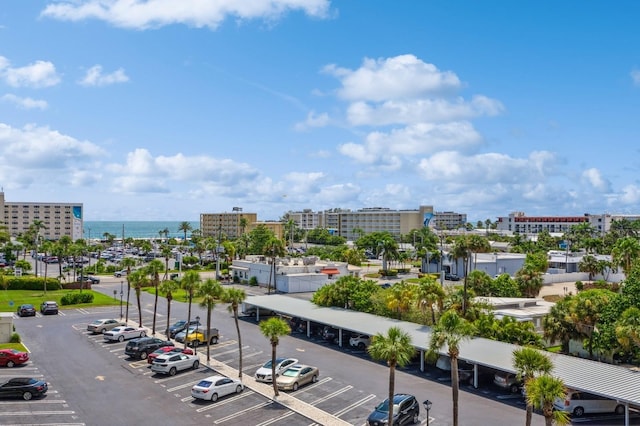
(89, 279)
(26, 310)
(181, 326)
(23, 387)
(141, 347)
(451, 277)
(406, 410)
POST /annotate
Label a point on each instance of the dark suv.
(143, 346)
(49, 308)
(406, 410)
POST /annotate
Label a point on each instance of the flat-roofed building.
(449, 220)
(228, 224)
(520, 223)
(59, 219)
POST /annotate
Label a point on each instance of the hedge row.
(28, 283)
(76, 298)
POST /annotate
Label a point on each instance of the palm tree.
(234, 297)
(274, 247)
(396, 349)
(451, 330)
(165, 251)
(128, 262)
(429, 293)
(273, 329)
(625, 252)
(138, 280)
(190, 283)
(541, 393)
(529, 363)
(210, 292)
(628, 329)
(185, 227)
(461, 250)
(153, 269)
(168, 287)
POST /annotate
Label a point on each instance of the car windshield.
(179, 324)
(292, 372)
(384, 407)
(97, 322)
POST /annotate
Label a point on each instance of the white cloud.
(313, 120)
(630, 194)
(95, 77)
(400, 77)
(594, 179)
(36, 75)
(635, 77)
(25, 103)
(144, 14)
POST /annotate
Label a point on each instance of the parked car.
(406, 410)
(213, 387)
(330, 334)
(171, 363)
(104, 325)
(297, 375)
(23, 387)
(167, 349)
(254, 311)
(183, 334)
(49, 308)
(451, 277)
(89, 279)
(198, 337)
(581, 403)
(506, 380)
(26, 310)
(122, 273)
(263, 374)
(12, 357)
(123, 333)
(181, 326)
(360, 341)
(142, 346)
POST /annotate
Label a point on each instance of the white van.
(580, 403)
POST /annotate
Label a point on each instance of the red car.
(12, 357)
(164, 350)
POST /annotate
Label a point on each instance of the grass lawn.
(17, 346)
(36, 297)
(178, 295)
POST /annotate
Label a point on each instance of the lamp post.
(195, 347)
(121, 293)
(427, 406)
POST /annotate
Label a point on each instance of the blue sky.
(162, 110)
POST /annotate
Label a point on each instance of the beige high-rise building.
(59, 219)
(227, 224)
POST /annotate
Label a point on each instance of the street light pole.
(427, 406)
(195, 346)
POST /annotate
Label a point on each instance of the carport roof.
(611, 381)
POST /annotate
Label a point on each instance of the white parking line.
(230, 352)
(37, 413)
(48, 424)
(354, 405)
(177, 376)
(225, 401)
(225, 343)
(239, 413)
(331, 395)
(186, 385)
(275, 419)
(37, 402)
(318, 383)
(251, 367)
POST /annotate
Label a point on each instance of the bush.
(579, 285)
(30, 283)
(76, 298)
(15, 338)
(253, 281)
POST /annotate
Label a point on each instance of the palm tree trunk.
(168, 317)
(273, 369)
(529, 415)
(155, 310)
(207, 332)
(128, 293)
(392, 382)
(235, 317)
(455, 388)
(188, 316)
(138, 291)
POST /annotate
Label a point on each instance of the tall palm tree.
(128, 262)
(461, 250)
(541, 393)
(396, 349)
(185, 227)
(450, 331)
(165, 251)
(234, 297)
(625, 252)
(169, 287)
(153, 269)
(138, 280)
(210, 291)
(430, 292)
(530, 363)
(274, 247)
(273, 329)
(190, 283)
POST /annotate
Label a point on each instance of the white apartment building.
(519, 222)
(59, 219)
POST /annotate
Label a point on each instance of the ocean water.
(135, 229)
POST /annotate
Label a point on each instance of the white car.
(263, 374)
(171, 363)
(360, 341)
(214, 387)
(121, 334)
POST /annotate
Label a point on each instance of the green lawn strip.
(17, 346)
(36, 297)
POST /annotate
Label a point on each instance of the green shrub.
(76, 298)
(253, 281)
(30, 282)
(579, 285)
(15, 338)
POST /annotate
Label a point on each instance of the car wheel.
(314, 379)
(173, 371)
(239, 389)
(214, 340)
(143, 334)
(10, 364)
(121, 339)
(416, 418)
(195, 343)
(578, 411)
(27, 396)
(619, 409)
(143, 355)
(104, 330)
(361, 346)
(214, 397)
(295, 386)
(515, 388)
(196, 364)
